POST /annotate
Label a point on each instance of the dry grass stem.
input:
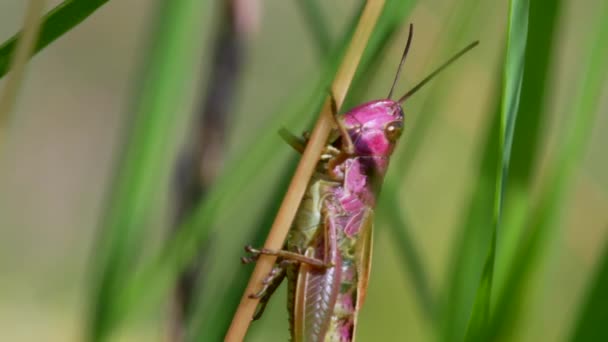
(295, 192)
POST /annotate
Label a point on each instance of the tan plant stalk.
(295, 192)
(25, 46)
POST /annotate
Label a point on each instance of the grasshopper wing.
(317, 289)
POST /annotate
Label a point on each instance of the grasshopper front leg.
(299, 144)
(349, 147)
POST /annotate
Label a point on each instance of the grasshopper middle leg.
(286, 256)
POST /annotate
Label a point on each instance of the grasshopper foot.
(269, 285)
(248, 260)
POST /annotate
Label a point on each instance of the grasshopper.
(327, 254)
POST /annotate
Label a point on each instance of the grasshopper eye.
(393, 130)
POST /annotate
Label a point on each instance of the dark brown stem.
(203, 157)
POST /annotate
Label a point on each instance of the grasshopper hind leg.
(270, 285)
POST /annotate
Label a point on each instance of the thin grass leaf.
(477, 242)
(543, 221)
(537, 82)
(591, 322)
(474, 236)
(539, 59)
(517, 34)
(146, 161)
(57, 22)
(24, 48)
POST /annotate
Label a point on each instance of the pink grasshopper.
(327, 255)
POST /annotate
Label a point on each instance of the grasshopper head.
(375, 127)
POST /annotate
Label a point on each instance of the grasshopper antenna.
(437, 71)
(407, 49)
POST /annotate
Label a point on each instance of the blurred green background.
(66, 136)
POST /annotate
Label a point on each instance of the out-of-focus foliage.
(435, 217)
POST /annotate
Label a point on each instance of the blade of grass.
(543, 17)
(146, 161)
(543, 220)
(24, 48)
(57, 22)
(591, 322)
(517, 34)
(532, 114)
(320, 133)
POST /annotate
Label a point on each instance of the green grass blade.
(23, 51)
(57, 22)
(485, 210)
(591, 322)
(517, 34)
(539, 59)
(544, 20)
(544, 219)
(531, 119)
(147, 159)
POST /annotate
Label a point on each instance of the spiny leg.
(286, 255)
(269, 286)
(299, 144)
